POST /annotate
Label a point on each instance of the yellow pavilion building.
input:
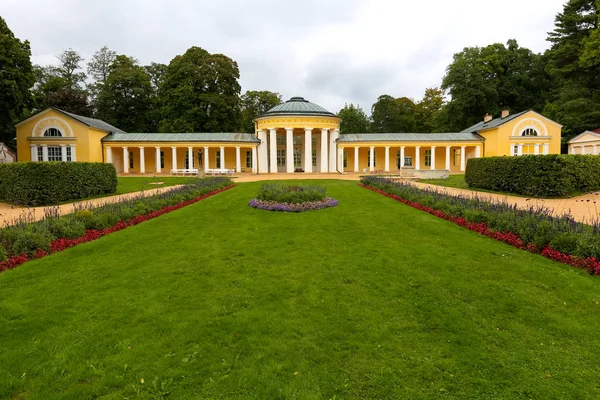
(294, 137)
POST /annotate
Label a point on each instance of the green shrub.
(19, 240)
(43, 183)
(291, 193)
(2, 254)
(69, 228)
(552, 175)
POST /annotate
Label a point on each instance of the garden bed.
(292, 198)
(536, 230)
(28, 240)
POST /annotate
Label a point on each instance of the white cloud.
(332, 52)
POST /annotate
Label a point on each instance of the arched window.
(529, 132)
(52, 132)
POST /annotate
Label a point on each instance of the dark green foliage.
(126, 97)
(254, 104)
(392, 115)
(487, 79)
(16, 78)
(44, 183)
(281, 193)
(200, 93)
(354, 120)
(25, 239)
(550, 175)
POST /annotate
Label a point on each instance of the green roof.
(91, 122)
(181, 137)
(410, 137)
(298, 106)
(481, 126)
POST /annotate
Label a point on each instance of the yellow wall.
(298, 122)
(499, 140)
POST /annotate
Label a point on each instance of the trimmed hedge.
(44, 183)
(552, 175)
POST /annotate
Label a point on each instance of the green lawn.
(370, 299)
(454, 181)
(137, 183)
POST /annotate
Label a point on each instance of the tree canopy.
(354, 120)
(200, 93)
(16, 78)
(255, 103)
(125, 97)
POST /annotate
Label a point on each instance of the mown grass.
(370, 299)
(126, 184)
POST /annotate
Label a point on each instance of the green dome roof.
(298, 106)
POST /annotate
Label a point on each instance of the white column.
(356, 158)
(402, 156)
(432, 157)
(109, 157)
(263, 160)
(73, 154)
(254, 161)
(289, 150)
(477, 151)
(582, 149)
(308, 150)
(206, 167)
(324, 153)
(372, 158)
(273, 146)
(63, 153)
(238, 159)
(387, 158)
(157, 160)
(222, 156)
(448, 157)
(44, 152)
(174, 157)
(190, 157)
(34, 153)
(142, 161)
(341, 160)
(125, 160)
(417, 158)
(536, 149)
(463, 158)
(333, 135)
(520, 149)
(546, 148)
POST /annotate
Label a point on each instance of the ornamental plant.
(26, 238)
(291, 198)
(535, 229)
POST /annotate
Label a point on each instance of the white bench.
(219, 171)
(185, 171)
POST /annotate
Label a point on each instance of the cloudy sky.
(329, 51)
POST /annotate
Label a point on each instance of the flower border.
(266, 205)
(58, 245)
(591, 264)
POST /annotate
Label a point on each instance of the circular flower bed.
(294, 198)
(293, 207)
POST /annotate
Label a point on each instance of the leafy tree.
(16, 78)
(574, 64)
(428, 111)
(488, 79)
(125, 98)
(354, 120)
(392, 115)
(99, 65)
(62, 86)
(200, 93)
(254, 104)
(156, 72)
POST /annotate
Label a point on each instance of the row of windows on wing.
(55, 153)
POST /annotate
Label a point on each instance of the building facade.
(587, 142)
(6, 154)
(294, 137)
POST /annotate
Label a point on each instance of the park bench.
(184, 171)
